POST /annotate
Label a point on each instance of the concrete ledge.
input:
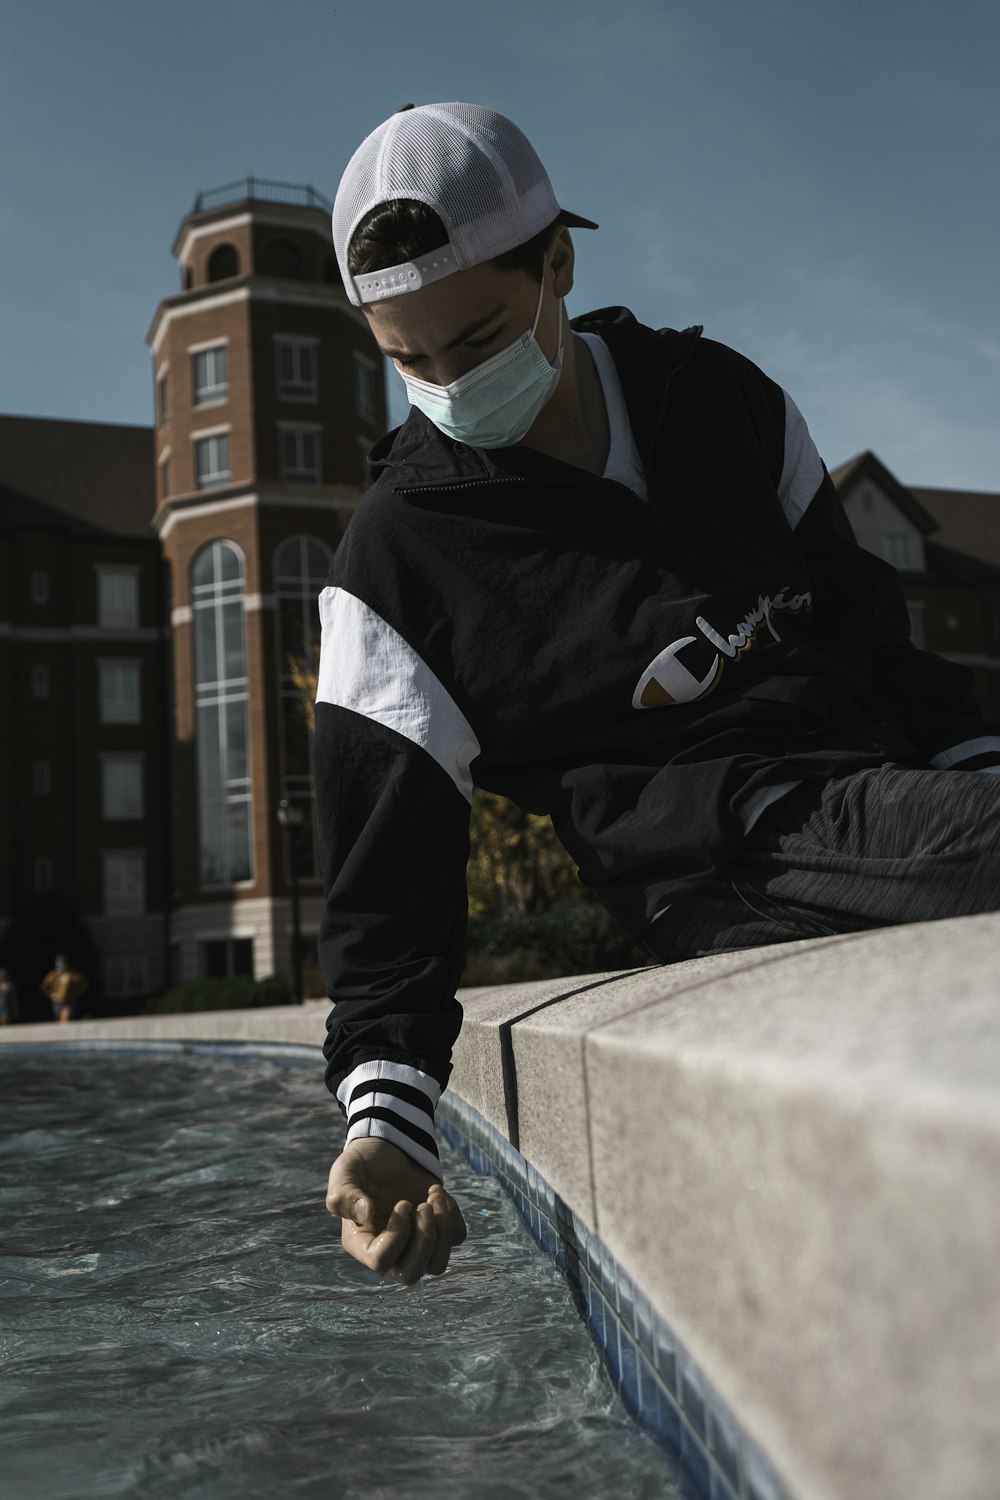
(793, 1152)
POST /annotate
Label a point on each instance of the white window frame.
(41, 777)
(215, 477)
(915, 608)
(215, 391)
(123, 615)
(365, 388)
(165, 474)
(119, 709)
(896, 550)
(298, 472)
(39, 586)
(299, 388)
(119, 807)
(124, 865)
(41, 683)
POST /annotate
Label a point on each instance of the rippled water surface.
(177, 1317)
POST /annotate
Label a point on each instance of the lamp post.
(290, 817)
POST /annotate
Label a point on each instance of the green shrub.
(238, 993)
(577, 937)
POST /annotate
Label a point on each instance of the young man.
(602, 571)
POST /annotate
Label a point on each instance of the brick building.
(182, 567)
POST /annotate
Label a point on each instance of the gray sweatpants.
(879, 847)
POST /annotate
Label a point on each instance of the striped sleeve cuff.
(395, 1103)
(972, 755)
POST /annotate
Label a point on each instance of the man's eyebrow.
(459, 338)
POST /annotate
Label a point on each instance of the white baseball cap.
(472, 166)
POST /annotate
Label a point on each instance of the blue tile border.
(660, 1383)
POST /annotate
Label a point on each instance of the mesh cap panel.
(471, 165)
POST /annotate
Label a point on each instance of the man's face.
(444, 330)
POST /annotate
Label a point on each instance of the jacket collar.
(418, 454)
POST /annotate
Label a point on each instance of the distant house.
(945, 546)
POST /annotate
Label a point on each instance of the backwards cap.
(472, 166)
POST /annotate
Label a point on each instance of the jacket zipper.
(659, 520)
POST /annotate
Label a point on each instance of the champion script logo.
(667, 680)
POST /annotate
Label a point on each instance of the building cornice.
(192, 507)
(247, 289)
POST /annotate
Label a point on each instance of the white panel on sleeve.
(367, 666)
(802, 473)
(988, 744)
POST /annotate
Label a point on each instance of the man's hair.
(403, 228)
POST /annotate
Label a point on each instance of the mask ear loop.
(538, 313)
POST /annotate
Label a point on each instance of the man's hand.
(396, 1218)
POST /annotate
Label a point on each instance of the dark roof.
(866, 466)
(945, 565)
(87, 478)
(968, 520)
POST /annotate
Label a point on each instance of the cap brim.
(574, 221)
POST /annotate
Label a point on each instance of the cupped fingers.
(380, 1252)
(412, 1264)
(444, 1213)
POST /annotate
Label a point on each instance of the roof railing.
(263, 190)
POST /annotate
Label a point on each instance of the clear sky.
(816, 181)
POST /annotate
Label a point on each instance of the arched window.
(220, 692)
(301, 564)
(223, 262)
(282, 258)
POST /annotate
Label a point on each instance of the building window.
(120, 691)
(165, 477)
(162, 399)
(296, 360)
(224, 958)
(223, 262)
(915, 609)
(42, 778)
(283, 259)
(124, 883)
(39, 587)
(118, 598)
(896, 550)
(125, 974)
(208, 377)
(43, 873)
(212, 460)
(301, 566)
(121, 786)
(365, 389)
(221, 731)
(300, 454)
(39, 681)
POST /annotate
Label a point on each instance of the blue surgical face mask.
(494, 405)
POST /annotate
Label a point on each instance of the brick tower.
(269, 391)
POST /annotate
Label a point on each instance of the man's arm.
(391, 766)
(857, 600)
(858, 606)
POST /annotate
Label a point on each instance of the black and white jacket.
(639, 670)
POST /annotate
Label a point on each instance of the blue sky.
(813, 180)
